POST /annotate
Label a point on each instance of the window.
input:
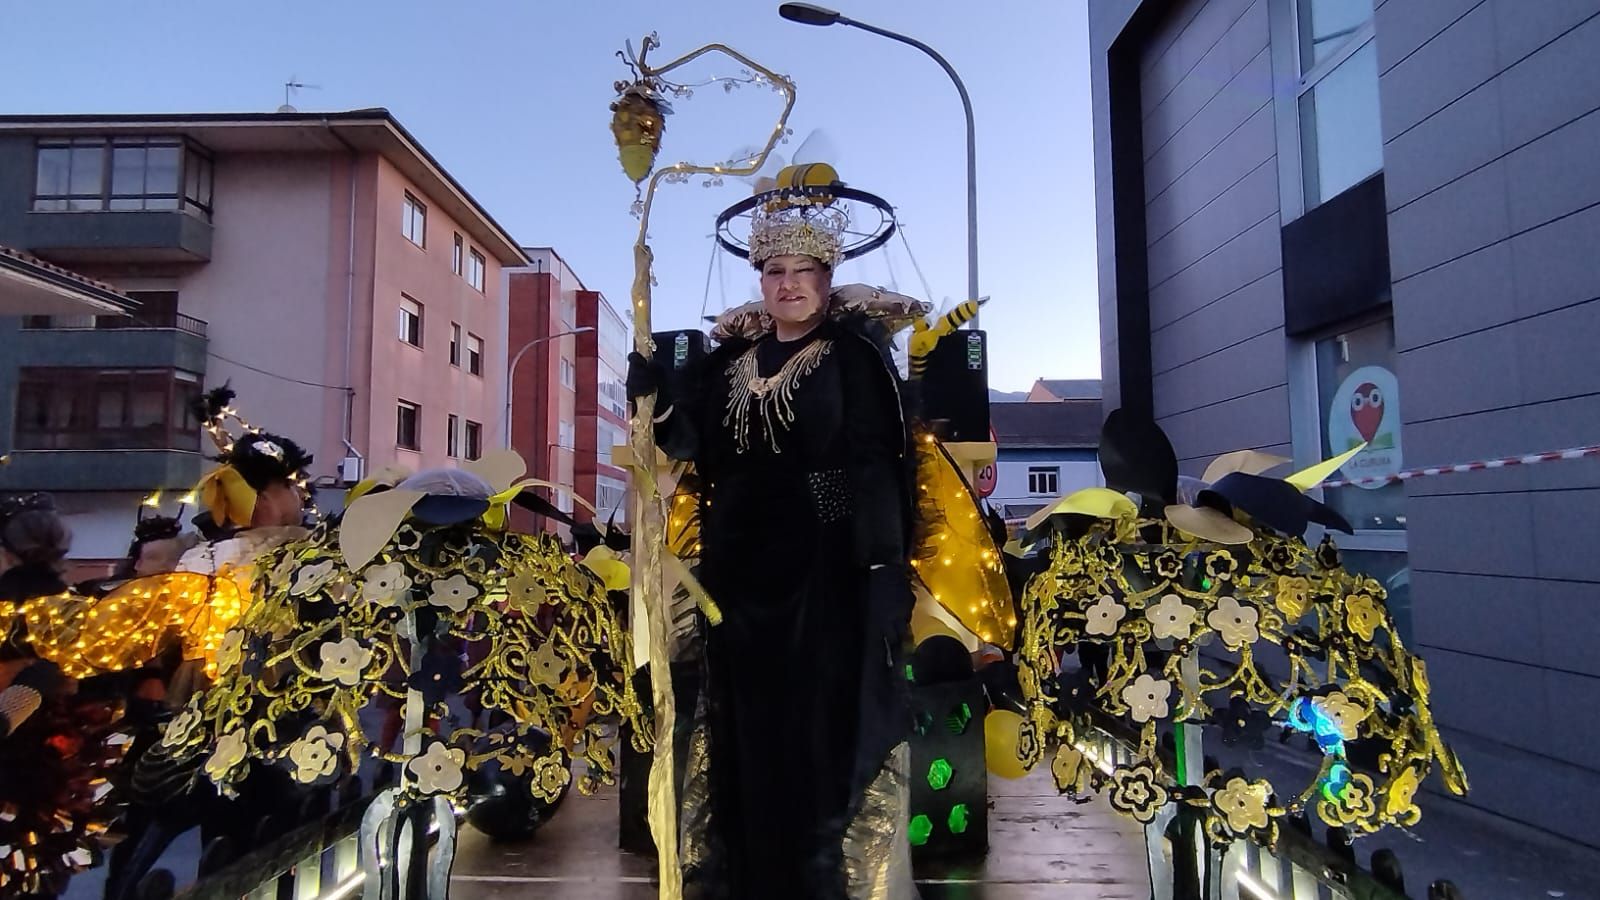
(1326, 25)
(475, 267)
(410, 321)
(414, 221)
(455, 344)
(474, 354)
(121, 174)
(451, 449)
(1044, 480)
(1341, 139)
(407, 416)
(474, 440)
(565, 435)
(455, 255)
(106, 409)
(568, 373)
(1350, 376)
(1358, 399)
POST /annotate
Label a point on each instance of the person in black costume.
(800, 443)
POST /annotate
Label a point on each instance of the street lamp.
(511, 370)
(812, 14)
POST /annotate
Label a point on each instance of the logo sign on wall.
(1367, 408)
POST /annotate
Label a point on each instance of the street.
(1042, 845)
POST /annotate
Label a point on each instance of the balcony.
(165, 339)
(100, 470)
(145, 236)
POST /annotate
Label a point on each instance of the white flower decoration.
(315, 754)
(1147, 697)
(1104, 616)
(385, 584)
(284, 568)
(438, 769)
(231, 650)
(343, 661)
(229, 753)
(1171, 618)
(1347, 713)
(309, 578)
(453, 593)
(1235, 622)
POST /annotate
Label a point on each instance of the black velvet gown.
(805, 526)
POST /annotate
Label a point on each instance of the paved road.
(1042, 846)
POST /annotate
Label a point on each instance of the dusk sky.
(512, 98)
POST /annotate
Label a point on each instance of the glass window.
(475, 267)
(474, 354)
(474, 440)
(1326, 25)
(105, 409)
(410, 321)
(414, 221)
(1359, 399)
(1341, 136)
(407, 416)
(568, 373)
(121, 174)
(452, 450)
(455, 344)
(455, 255)
(1044, 480)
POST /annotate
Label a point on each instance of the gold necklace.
(773, 394)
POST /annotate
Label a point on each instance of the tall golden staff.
(638, 120)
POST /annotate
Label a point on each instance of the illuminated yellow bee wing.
(956, 557)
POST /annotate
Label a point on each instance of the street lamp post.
(511, 370)
(811, 14)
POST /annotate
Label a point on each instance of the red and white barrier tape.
(1502, 463)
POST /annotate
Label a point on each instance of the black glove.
(44, 677)
(643, 379)
(889, 603)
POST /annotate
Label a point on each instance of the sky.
(512, 97)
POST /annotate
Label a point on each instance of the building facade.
(324, 265)
(1043, 450)
(568, 403)
(1328, 222)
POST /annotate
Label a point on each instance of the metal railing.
(175, 321)
(1296, 868)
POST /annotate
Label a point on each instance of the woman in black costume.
(800, 443)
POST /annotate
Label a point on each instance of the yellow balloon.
(1001, 728)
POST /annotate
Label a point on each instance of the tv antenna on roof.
(291, 86)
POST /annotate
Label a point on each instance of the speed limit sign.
(986, 480)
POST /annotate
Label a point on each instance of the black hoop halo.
(863, 207)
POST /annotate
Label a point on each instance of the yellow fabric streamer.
(224, 493)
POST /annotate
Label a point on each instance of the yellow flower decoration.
(525, 589)
(1363, 615)
(1243, 804)
(1354, 804)
(550, 777)
(1068, 769)
(1235, 622)
(1293, 596)
(314, 756)
(548, 667)
(1399, 797)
